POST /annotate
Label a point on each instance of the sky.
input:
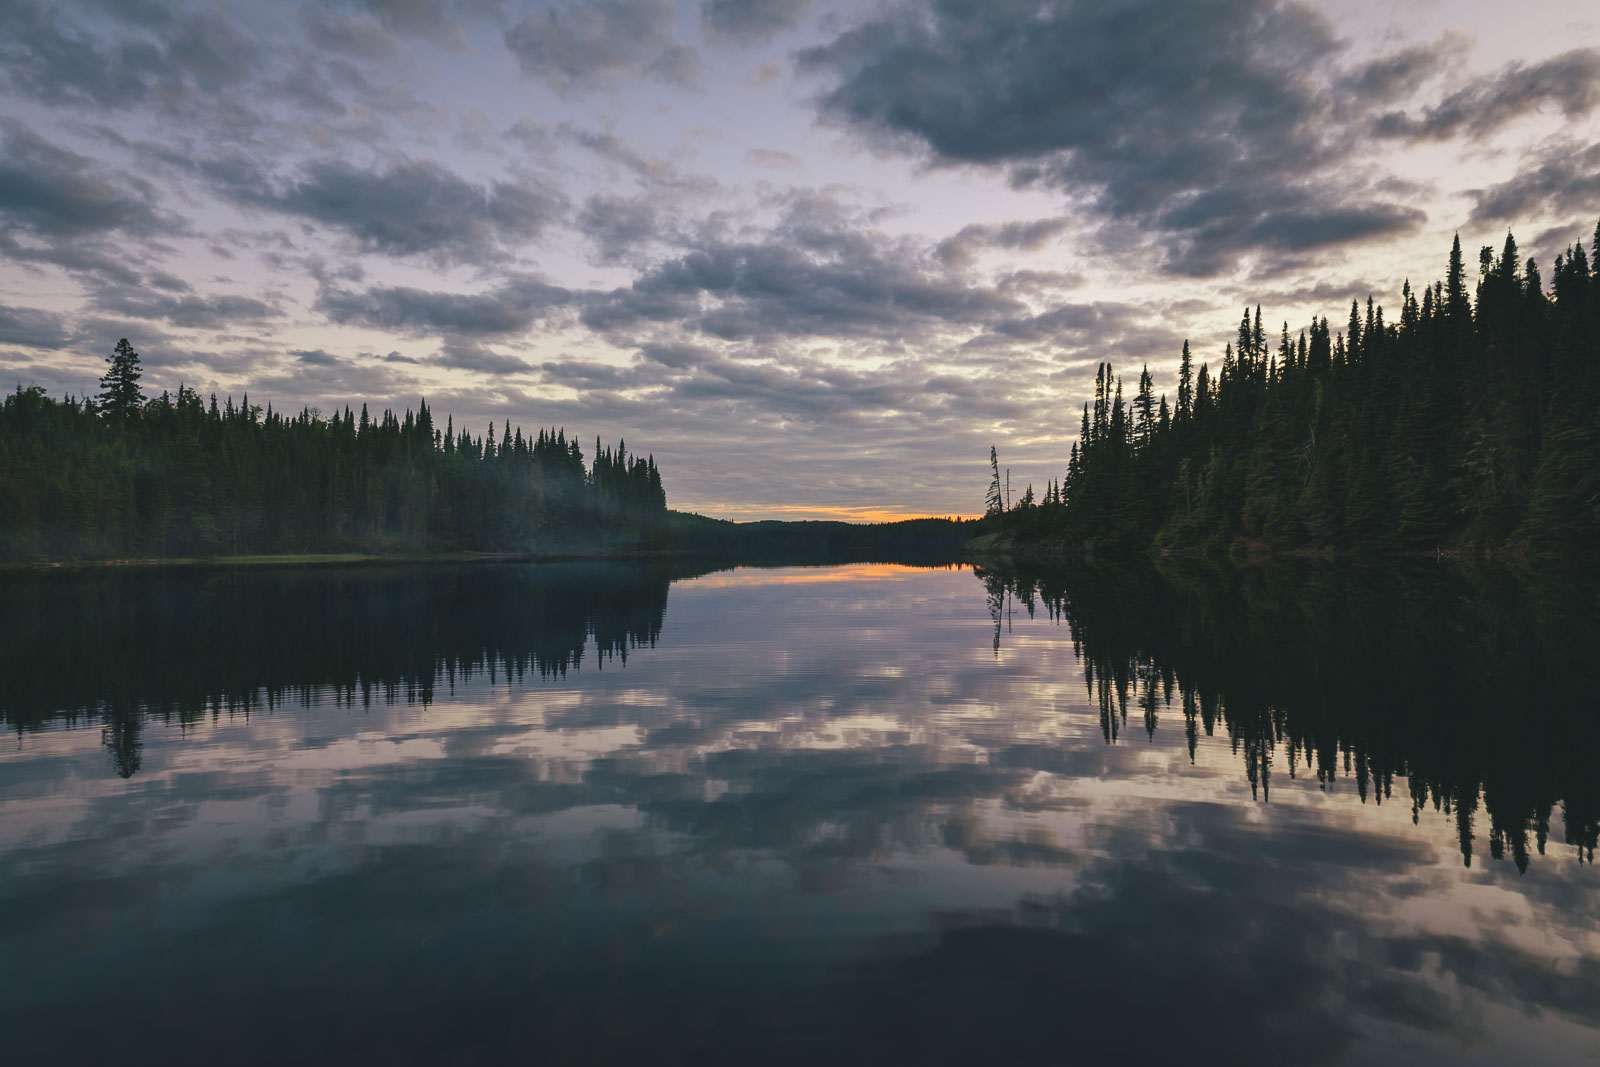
(815, 257)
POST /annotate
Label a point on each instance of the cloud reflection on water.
(815, 819)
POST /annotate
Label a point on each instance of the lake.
(859, 813)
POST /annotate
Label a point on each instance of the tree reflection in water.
(861, 815)
(1461, 689)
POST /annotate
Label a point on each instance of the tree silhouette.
(120, 396)
(995, 502)
(1470, 419)
(187, 478)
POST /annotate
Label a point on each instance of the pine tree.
(1185, 385)
(1144, 405)
(995, 504)
(1461, 424)
(120, 396)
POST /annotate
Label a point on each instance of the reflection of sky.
(817, 807)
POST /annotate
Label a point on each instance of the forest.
(1469, 422)
(119, 476)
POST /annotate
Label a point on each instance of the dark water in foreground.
(857, 814)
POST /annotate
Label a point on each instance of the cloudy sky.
(815, 256)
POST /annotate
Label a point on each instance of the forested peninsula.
(121, 477)
(118, 477)
(1469, 423)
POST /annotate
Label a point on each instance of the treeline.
(1464, 693)
(176, 476)
(1471, 419)
(930, 541)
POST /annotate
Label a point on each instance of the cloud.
(512, 308)
(156, 54)
(619, 226)
(961, 249)
(32, 328)
(411, 208)
(347, 35)
(435, 21)
(314, 357)
(773, 159)
(1561, 180)
(1395, 74)
(597, 44)
(676, 356)
(467, 355)
(1570, 82)
(749, 21)
(316, 372)
(588, 374)
(818, 273)
(56, 193)
(1203, 120)
(224, 311)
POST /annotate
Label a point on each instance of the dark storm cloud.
(750, 21)
(512, 308)
(1564, 179)
(54, 192)
(32, 328)
(1206, 121)
(1570, 82)
(411, 208)
(961, 249)
(596, 44)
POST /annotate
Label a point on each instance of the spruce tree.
(119, 386)
(1185, 385)
(995, 503)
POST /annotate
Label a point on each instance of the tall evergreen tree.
(120, 395)
(1471, 418)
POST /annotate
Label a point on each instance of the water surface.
(863, 813)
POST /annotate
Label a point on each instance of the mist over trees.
(1471, 418)
(177, 476)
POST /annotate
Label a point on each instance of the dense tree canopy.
(1472, 419)
(175, 477)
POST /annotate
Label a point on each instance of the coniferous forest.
(118, 476)
(1469, 420)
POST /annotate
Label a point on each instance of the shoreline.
(1005, 548)
(331, 559)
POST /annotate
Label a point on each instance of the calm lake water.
(868, 813)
